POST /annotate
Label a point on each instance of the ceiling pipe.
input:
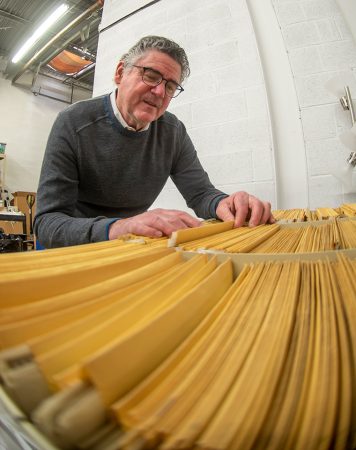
(82, 73)
(97, 5)
(13, 17)
(65, 44)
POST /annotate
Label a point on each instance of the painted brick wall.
(320, 46)
(224, 105)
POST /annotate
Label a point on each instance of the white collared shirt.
(118, 114)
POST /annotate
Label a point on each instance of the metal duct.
(97, 5)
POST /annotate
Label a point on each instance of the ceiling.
(76, 32)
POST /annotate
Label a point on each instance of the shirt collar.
(118, 115)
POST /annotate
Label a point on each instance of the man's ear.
(119, 72)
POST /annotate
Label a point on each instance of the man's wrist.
(215, 203)
(108, 227)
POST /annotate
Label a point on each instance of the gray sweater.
(94, 171)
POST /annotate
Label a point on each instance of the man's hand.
(154, 223)
(241, 207)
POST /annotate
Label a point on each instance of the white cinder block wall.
(225, 105)
(319, 47)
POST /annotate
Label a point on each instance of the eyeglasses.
(152, 77)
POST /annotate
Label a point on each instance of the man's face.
(138, 103)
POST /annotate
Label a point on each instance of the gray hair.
(161, 44)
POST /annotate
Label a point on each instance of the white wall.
(225, 106)
(25, 123)
(349, 12)
(319, 46)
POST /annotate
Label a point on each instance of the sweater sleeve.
(192, 181)
(56, 222)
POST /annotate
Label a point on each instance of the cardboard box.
(11, 227)
(21, 203)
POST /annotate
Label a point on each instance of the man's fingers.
(142, 229)
(155, 223)
(225, 213)
(181, 218)
(242, 207)
(256, 211)
(241, 203)
(267, 216)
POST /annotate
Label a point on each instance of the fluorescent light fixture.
(56, 15)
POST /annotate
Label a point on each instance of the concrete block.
(207, 15)
(242, 74)
(170, 185)
(229, 167)
(325, 191)
(311, 89)
(240, 13)
(171, 198)
(186, 7)
(324, 155)
(316, 9)
(258, 131)
(318, 122)
(264, 191)
(114, 11)
(305, 61)
(230, 78)
(263, 164)
(197, 87)
(214, 57)
(342, 27)
(328, 30)
(219, 109)
(198, 40)
(338, 55)
(176, 28)
(236, 187)
(149, 20)
(289, 12)
(301, 34)
(244, 26)
(224, 30)
(183, 112)
(227, 138)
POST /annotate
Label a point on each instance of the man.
(108, 158)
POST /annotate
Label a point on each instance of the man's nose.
(159, 90)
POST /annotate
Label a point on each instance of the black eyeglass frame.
(179, 89)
